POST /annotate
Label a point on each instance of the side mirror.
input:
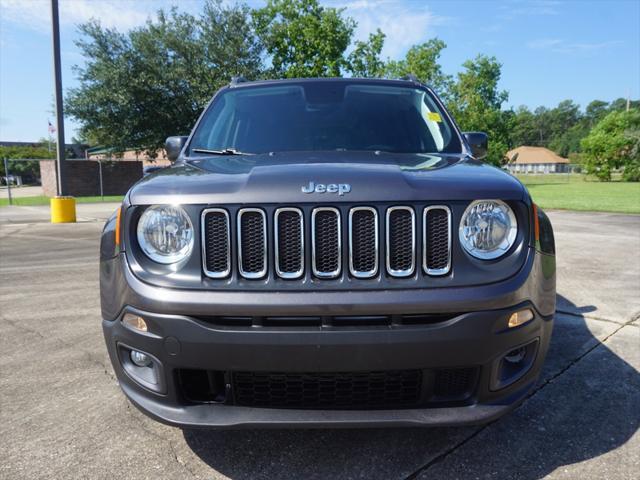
(173, 147)
(478, 143)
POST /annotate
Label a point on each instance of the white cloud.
(404, 25)
(559, 45)
(519, 8)
(543, 43)
(120, 14)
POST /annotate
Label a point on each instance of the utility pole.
(57, 74)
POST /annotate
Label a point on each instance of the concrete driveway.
(62, 414)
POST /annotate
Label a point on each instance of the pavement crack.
(590, 317)
(534, 391)
(445, 454)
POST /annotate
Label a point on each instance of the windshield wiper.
(224, 151)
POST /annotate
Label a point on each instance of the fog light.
(515, 356)
(520, 318)
(135, 322)
(140, 359)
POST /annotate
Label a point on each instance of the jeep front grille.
(326, 240)
(370, 241)
(216, 243)
(437, 240)
(252, 241)
(401, 241)
(289, 242)
(363, 242)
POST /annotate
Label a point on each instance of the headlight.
(165, 233)
(488, 229)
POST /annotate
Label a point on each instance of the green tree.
(30, 171)
(303, 38)
(524, 128)
(364, 61)
(614, 143)
(422, 61)
(477, 101)
(138, 88)
(595, 111)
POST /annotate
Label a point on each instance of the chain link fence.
(28, 181)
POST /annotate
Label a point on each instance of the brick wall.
(83, 177)
(48, 177)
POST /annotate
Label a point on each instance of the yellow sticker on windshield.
(434, 116)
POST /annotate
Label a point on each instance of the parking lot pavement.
(85, 212)
(62, 414)
(20, 192)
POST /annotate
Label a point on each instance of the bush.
(614, 143)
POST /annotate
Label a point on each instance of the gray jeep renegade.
(327, 252)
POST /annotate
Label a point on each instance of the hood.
(370, 177)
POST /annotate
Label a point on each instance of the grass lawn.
(561, 191)
(42, 200)
(577, 192)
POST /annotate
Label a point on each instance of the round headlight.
(488, 229)
(165, 233)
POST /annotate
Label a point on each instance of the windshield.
(322, 116)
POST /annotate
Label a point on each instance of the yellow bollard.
(63, 210)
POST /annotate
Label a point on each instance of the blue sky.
(550, 50)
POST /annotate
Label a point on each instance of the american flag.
(52, 129)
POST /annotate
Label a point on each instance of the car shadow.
(585, 405)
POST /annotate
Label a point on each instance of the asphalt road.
(62, 414)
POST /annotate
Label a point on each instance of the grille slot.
(348, 390)
(363, 242)
(216, 243)
(401, 241)
(337, 321)
(252, 242)
(326, 239)
(289, 242)
(436, 237)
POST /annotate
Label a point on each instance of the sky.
(551, 50)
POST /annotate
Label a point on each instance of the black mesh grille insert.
(252, 242)
(401, 240)
(289, 241)
(437, 240)
(216, 239)
(454, 383)
(363, 242)
(350, 390)
(327, 242)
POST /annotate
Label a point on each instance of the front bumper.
(479, 338)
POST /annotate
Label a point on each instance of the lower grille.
(391, 389)
(357, 390)
(454, 383)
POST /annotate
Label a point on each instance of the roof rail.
(410, 77)
(238, 79)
